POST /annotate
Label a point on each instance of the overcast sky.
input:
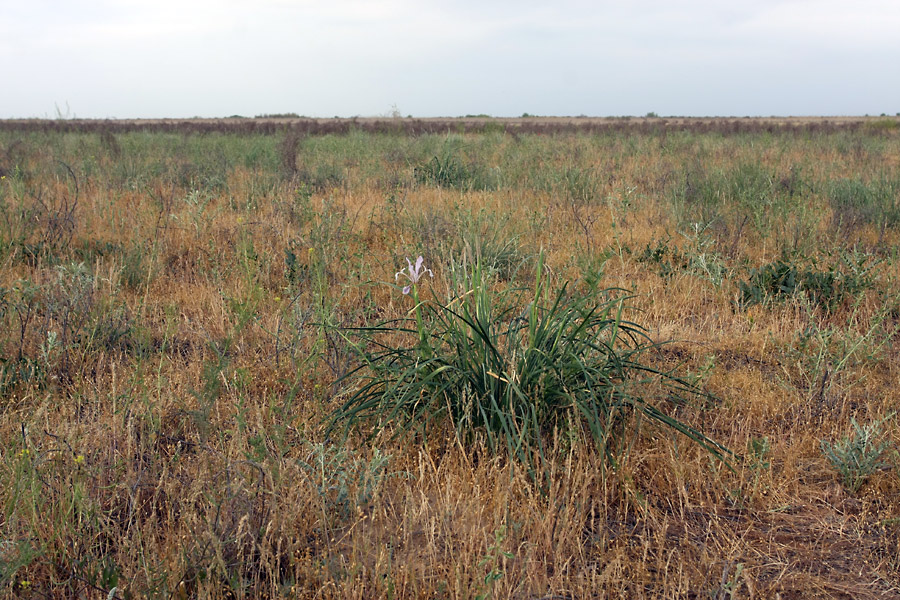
(214, 58)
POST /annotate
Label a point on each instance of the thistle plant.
(511, 369)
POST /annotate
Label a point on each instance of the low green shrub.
(698, 258)
(443, 171)
(450, 170)
(844, 279)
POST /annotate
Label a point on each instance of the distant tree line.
(270, 125)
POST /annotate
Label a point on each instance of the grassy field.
(649, 359)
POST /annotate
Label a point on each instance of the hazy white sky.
(183, 58)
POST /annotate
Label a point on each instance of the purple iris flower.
(415, 273)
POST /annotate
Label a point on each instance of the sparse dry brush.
(186, 308)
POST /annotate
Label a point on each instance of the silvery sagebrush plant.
(511, 365)
(857, 457)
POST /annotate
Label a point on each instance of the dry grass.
(188, 457)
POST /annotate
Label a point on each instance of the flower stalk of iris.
(413, 273)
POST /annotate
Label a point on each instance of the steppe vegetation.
(650, 359)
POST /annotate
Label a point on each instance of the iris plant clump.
(511, 367)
